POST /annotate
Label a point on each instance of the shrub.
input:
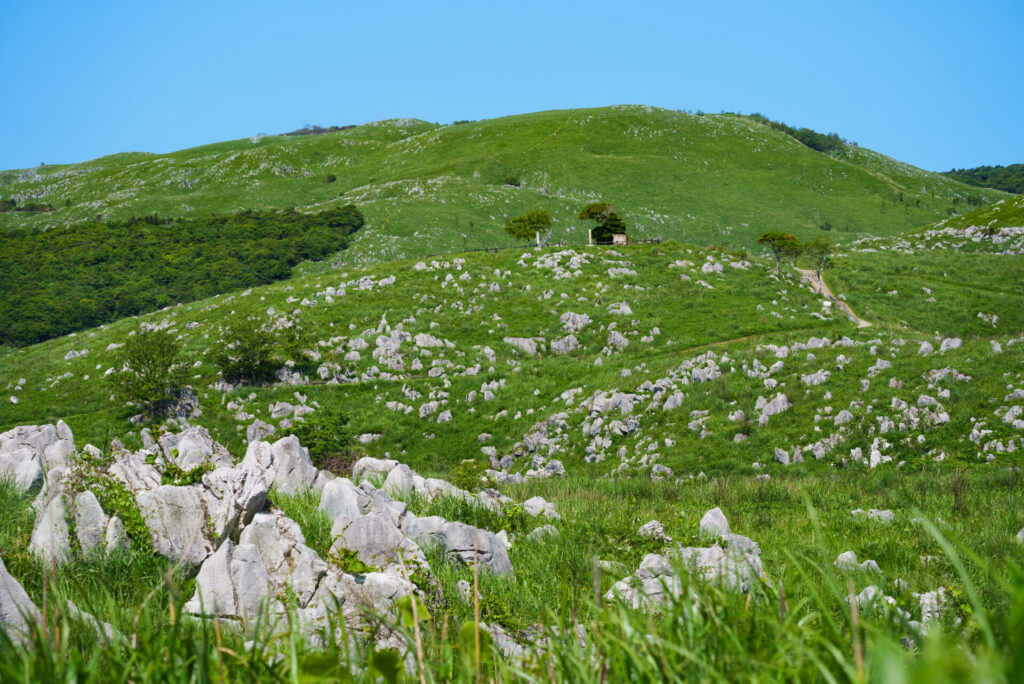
(147, 370)
(245, 351)
(327, 435)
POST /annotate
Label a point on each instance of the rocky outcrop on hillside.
(253, 561)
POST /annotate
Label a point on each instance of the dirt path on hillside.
(819, 286)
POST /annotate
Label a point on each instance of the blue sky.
(937, 84)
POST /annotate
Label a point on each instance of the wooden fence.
(495, 250)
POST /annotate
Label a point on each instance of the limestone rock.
(294, 470)
(525, 345)
(176, 517)
(376, 539)
(90, 522)
(50, 537)
(232, 583)
(847, 560)
(115, 537)
(340, 499)
(565, 345)
(368, 466)
(17, 610)
(714, 523)
(538, 506)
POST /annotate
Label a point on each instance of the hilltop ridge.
(427, 188)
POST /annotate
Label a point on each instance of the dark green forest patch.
(58, 282)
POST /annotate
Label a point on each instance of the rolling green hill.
(427, 188)
(637, 389)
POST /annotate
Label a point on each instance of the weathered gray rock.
(281, 409)
(50, 537)
(543, 533)
(774, 407)
(90, 522)
(842, 418)
(565, 345)
(17, 611)
(735, 570)
(616, 340)
(950, 343)
(674, 401)
(258, 431)
(115, 537)
(176, 518)
(816, 378)
(870, 566)
(876, 514)
(340, 499)
(50, 444)
(660, 472)
(232, 496)
(294, 470)
(539, 506)
(468, 543)
(653, 583)
(369, 466)
(714, 523)
(525, 345)
(134, 472)
(25, 469)
(573, 322)
(376, 539)
(285, 556)
(231, 583)
(400, 481)
(847, 560)
(194, 447)
(653, 529)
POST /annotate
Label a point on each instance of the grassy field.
(924, 437)
(426, 188)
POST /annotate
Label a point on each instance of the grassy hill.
(439, 379)
(426, 188)
(646, 372)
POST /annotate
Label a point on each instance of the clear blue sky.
(937, 84)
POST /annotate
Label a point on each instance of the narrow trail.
(557, 128)
(820, 286)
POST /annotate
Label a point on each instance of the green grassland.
(427, 188)
(801, 517)
(1009, 212)
(873, 420)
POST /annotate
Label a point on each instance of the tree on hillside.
(147, 372)
(329, 439)
(818, 253)
(245, 351)
(527, 226)
(782, 246)
(607, 221)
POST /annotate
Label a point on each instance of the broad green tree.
(782, 246)
(527, 226)
(818, 253)
(607, 222)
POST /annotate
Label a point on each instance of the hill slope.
(699, 379)
(427, 189)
